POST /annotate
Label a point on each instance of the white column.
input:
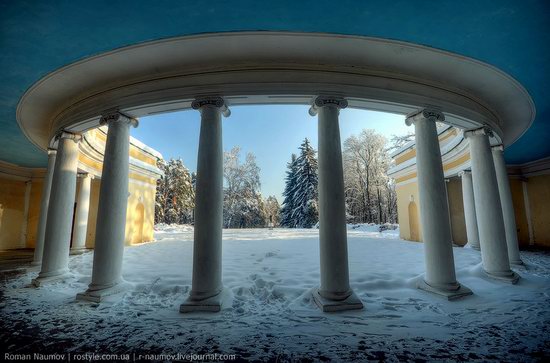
(334, 294)
(207, 285)
(527, 205)
(449, 208)
(57, 239)
(82, 210)
(440, 275)
(24, 224)
(111, 211)
(469, 209)
(44, 202)
(507, 204)
(490, 224)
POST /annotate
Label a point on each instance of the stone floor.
(16, 262)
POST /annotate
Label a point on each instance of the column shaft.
(55, 261)
(207, 251)
(24, 224)
(507, 204)
(333, 242)
(82, 210)
(335, 292)
(469, 210)
(44, 202)
(207, 285)
(436, 229)
(111, 211)
(492, 238)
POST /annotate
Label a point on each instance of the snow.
(269, 313)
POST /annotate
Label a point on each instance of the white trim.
(20, 173)
(94, 149)
(412, 143)
(533, 168)
(133, 141)
(408, 181)
(451, 151)
(237, 65)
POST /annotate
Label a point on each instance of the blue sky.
(272, 133)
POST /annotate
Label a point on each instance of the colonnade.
(492, 206)
(485, 225)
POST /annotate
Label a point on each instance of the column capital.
(116, 116)
(431, 114)
(324, 101)
(481, 131)
(464, 172)
(85, 175)
(52, 151)
(215, 102)
(499, 147)
(67, 135)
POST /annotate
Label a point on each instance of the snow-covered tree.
(285, 214)
(370, 193)
(398, 141)
(300, 206)
(243, 202)
(175, 197)
(272, 210)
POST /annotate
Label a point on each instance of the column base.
(212, 304)
(98, 294)
(78, 251)
(508, 277)
(41, 281)
(449, 294)
(474, 247)
(352, 302)
(517, 263)
(46, 279)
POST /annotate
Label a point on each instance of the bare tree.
(368, 190)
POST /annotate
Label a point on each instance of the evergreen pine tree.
(160, 197)
(288, 194)
(305, 213)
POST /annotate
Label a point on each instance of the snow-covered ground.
(269, 313)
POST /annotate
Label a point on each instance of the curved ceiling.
(275, 68)
(37, 38)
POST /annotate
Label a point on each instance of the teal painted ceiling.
(37, 37)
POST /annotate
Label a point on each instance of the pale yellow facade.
(141, 200)
(530, 187)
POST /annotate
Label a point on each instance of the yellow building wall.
(92, 214)
(140, 213)
(140, 217)
(406, 223)
(12, 195)
(34, 211)
(516, 187)
(456, 211)
(539, 199)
